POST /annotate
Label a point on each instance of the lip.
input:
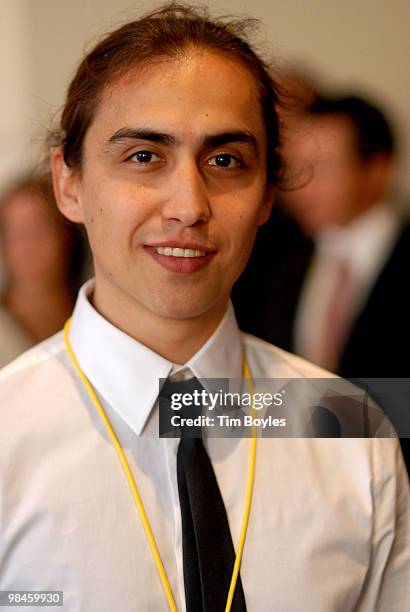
(181, 265)
(175, 244)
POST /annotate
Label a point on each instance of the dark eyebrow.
(216, 140)
(135, 134)
(210, 141)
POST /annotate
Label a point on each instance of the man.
(168, 158)
(341, 157)
(344, 305)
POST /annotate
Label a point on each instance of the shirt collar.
(126, 373)
(365, 241)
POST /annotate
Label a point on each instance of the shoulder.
(323, 404)
(269, 361)
(31, 376)
(35, 357)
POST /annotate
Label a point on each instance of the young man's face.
(175, 159)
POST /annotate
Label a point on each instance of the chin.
(183, 307)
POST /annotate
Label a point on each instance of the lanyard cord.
(134, 490)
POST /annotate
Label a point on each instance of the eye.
(144, 157)
(224, 160)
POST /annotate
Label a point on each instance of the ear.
(267, 204)
(66, 188)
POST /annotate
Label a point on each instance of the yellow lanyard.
(132, 484)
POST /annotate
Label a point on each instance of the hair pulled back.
(166, 33)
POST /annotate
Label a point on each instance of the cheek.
(241, 213)
(241, 228)
(114, 216)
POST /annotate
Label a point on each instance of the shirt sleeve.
(387, 587)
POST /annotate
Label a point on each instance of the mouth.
(181, 259)
(179, 252)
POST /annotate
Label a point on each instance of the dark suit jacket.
(267, 295)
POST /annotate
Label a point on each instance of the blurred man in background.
(349, 252)
(354, 278)
(338, 295)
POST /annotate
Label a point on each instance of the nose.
(187, 201)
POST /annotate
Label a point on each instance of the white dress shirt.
(329, 528)
(364, 246)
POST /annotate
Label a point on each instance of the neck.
(359, 212)
(175, 339)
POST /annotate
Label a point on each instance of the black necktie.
(208, 551)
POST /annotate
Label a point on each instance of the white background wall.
(361, 44)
